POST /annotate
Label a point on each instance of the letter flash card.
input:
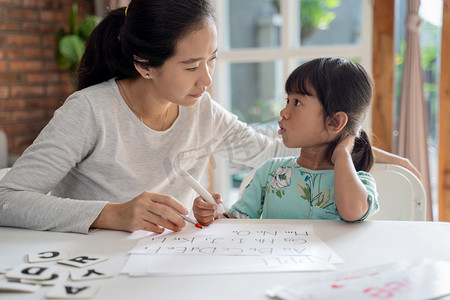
(83, 260)
(47, 256)
(72, 291)
(90, 273)
(59, 277)
(27, 271)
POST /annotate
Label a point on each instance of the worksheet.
(237, 239)
(231, 247)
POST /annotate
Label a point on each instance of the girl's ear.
(146, 72)
(337, 122)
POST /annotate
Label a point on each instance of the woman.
(110, 154)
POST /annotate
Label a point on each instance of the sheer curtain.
(413, 124)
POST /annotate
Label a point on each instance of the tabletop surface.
(360, 245)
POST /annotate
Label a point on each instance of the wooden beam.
(383, 73)
(444, 120)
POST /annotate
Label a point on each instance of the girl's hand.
(148, 211)
(344, 146)
(205, 212)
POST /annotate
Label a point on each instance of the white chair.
(400, 193)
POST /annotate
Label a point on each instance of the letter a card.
(72, 291)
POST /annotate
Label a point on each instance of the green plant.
(314, 14)
(70, 45)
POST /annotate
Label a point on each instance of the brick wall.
(31, 85)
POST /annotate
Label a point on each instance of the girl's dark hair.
(340, 85)
(150, 30)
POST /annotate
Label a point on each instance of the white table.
(360, 245)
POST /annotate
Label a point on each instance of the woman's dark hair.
(340, 85)
(149, 29)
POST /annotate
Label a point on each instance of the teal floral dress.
(281, 189)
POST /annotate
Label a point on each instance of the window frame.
(289, 52)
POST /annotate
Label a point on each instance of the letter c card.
(47, 256)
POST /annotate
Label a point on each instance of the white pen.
(202, 191)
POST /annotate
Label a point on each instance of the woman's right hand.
(148, 211)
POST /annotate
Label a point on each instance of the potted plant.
(70, 45)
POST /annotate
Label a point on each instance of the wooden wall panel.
(383, 73)
(444, 120)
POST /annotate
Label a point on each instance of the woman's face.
(184, 77)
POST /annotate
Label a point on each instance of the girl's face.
(302, 122)
(184, 77)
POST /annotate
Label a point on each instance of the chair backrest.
(400, 193)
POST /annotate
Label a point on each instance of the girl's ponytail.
(362, 154)
(103, 58)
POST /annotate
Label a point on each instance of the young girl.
(326, 104)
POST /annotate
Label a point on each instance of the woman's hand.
(148, 211)
(382, 156)
(206, 212)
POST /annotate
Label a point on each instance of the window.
(430, 12)
(262, 41)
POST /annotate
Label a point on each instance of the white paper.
(231, 248)
(168, 265)
(238, 240)
(422, 279)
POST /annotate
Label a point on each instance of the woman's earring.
(147, 76)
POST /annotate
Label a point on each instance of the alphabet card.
(45, 269)
(59, 277)
(11, 286)
(72, 291)
(47, 256)
(83, 260)
(28, 271)
(90, 273)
